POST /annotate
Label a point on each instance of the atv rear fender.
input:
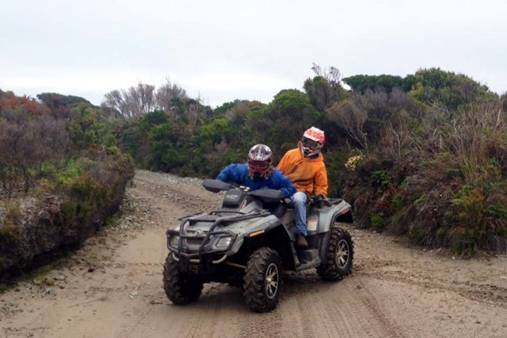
(340, 213)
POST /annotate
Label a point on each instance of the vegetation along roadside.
(422, 156)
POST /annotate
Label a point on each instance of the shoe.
(301, 242)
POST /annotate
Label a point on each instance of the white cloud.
(89, 83)
(213, 87)
(241, 49)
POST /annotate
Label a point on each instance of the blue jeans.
(299, 202)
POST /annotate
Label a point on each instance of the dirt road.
(112, 287)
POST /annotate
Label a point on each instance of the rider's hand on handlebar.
(322, 200)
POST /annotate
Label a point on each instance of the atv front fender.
(275, 236)
(250, 229)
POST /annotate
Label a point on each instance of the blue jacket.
(238, 173)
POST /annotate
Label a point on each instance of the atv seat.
(291, 206)
(277, 209)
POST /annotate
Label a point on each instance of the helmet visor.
(311, 144)
(258, 167)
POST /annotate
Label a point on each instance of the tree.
(55, 100)
(321, 92)
(447, 89)
(168, 95)
(89, 126)
(133, 102)
(281, 123)
(326, 87)
(386, 83)
(332, 75)
(350, 116)
(27, 142)
(167, 152)
(12, 106)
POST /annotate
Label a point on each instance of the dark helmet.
(259, 161)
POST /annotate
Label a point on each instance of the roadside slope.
(112, 287)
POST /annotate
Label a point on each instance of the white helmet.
(259, 161)
(312, 142)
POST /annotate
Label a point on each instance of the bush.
(423, 155)
(454, 196)
(61, 175)
(80, 199)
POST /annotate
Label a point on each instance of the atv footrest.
(308, 258)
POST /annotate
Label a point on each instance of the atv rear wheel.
(339, 255)
(263, 280)
(181, 288)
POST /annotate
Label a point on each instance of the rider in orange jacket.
(305, 167)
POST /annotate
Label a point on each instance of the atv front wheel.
(263, 280)
(339, 255)
(181, 288)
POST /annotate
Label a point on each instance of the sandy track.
(112, 287)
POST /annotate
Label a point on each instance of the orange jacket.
(308, 175)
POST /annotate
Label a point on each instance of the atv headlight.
(179, 226)
(223, 242)
(174, 241)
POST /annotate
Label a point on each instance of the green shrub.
(498, 211)
(417, 235)
(377, 221)
(397, 203)
(69, 173)
(380, 179)
(11, 216)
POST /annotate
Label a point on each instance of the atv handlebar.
(265, 194)
(216, 185)
(268, 195)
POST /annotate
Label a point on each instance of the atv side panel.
(328, 215)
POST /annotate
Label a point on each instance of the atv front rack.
(217, 220)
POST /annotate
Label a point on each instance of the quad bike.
(249, 243)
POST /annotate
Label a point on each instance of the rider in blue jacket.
(258, 172)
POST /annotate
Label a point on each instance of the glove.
(323, 201)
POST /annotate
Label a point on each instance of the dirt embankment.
(112, 287)
(54, 216)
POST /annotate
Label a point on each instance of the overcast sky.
(223, 50)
